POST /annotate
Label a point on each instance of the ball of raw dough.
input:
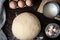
(12, 5)
(27, 39)
(26, 26)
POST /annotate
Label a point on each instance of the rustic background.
(11, 14)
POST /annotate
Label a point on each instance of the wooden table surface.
(11, 14)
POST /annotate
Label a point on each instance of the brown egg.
(12, 5)
(21, 4)
(29, 2)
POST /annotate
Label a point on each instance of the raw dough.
(26, 26)
(27, 39)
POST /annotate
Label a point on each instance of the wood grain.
(40, 9)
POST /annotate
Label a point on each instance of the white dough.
(26, 26)
(27, 39)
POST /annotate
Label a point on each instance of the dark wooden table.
(11, 14)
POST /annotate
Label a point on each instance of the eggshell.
(12, 5)
(29, 2)
(21, 4)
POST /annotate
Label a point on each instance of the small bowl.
(51, 9)
(49, 30)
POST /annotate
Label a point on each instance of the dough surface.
(26, 26)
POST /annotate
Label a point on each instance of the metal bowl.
(48, 30)
(2, 17)
(51, 9)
